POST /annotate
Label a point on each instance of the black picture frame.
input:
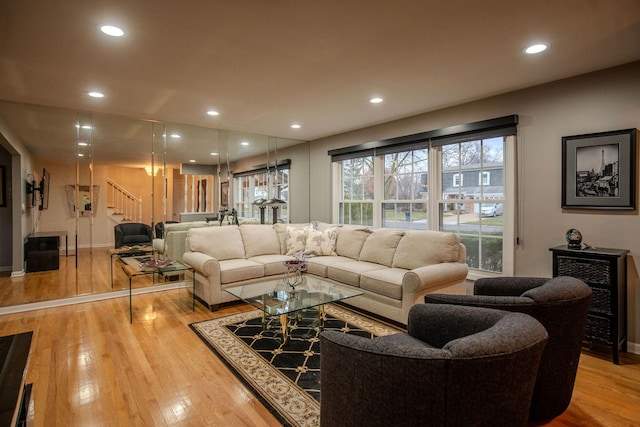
(599, 170)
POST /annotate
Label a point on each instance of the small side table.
(56, 233)
(605, 271)
(133, 268)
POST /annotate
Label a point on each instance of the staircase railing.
(123, 202)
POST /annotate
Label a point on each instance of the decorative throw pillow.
(321, 242)
(296, 240)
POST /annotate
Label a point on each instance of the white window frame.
(457, 180)
(484, 178)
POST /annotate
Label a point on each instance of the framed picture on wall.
(224, 193)
(599, 170)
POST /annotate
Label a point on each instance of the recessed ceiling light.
(214, 154)
(175, 135)
(295, 126)
(213, 113)
(83, 144)
(536, 48)
(192, 161)
(245, 143)
(112, 30)
(80, 155)
(376, 100)
(95, 94)
(83, 127)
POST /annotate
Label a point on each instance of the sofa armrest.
(202, 263)
(158, 245)
(426, 277)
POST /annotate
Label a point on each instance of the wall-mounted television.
(45, 183)
(42, 189)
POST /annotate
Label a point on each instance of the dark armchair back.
(456, 366)
(561, 305)
(132, 234)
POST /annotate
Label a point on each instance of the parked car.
(491, 209)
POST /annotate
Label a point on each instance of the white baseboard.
(633, 348)
(89, 298)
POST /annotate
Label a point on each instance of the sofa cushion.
(418, 248)
(318, 265)
(281, 230)
(259, 240)
(235, 270)
(350, 240)
(387, 282)
(321, 243)
(296, 240)
(272, 263)
(322, 226)
(380, 246)
(221, 243)
(349, 272)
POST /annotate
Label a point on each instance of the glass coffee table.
(135, 266)
(276, 298)
(125, 252)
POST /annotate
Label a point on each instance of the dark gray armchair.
(561, 305)
(455, 366)
(132, 234)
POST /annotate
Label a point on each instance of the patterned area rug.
(285, 377)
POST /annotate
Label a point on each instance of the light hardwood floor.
(90, 367)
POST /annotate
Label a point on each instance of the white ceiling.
(267, 64)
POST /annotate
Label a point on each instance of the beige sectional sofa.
(393, 268)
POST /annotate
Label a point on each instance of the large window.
(464, 185)
(262, 185)
(405, 196)
(472, 206)
(357, 191)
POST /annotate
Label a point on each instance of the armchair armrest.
(487, 301)
(202, 263)
(422, 278)
(506, 286)
(398, 345)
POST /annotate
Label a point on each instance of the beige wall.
(597, 102)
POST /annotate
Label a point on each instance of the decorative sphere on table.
(574, 238)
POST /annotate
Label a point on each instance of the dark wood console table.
(605, 271)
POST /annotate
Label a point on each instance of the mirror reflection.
(108, 170)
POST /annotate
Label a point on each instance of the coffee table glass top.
(139, 265)
(131, 250)
(274, 297)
